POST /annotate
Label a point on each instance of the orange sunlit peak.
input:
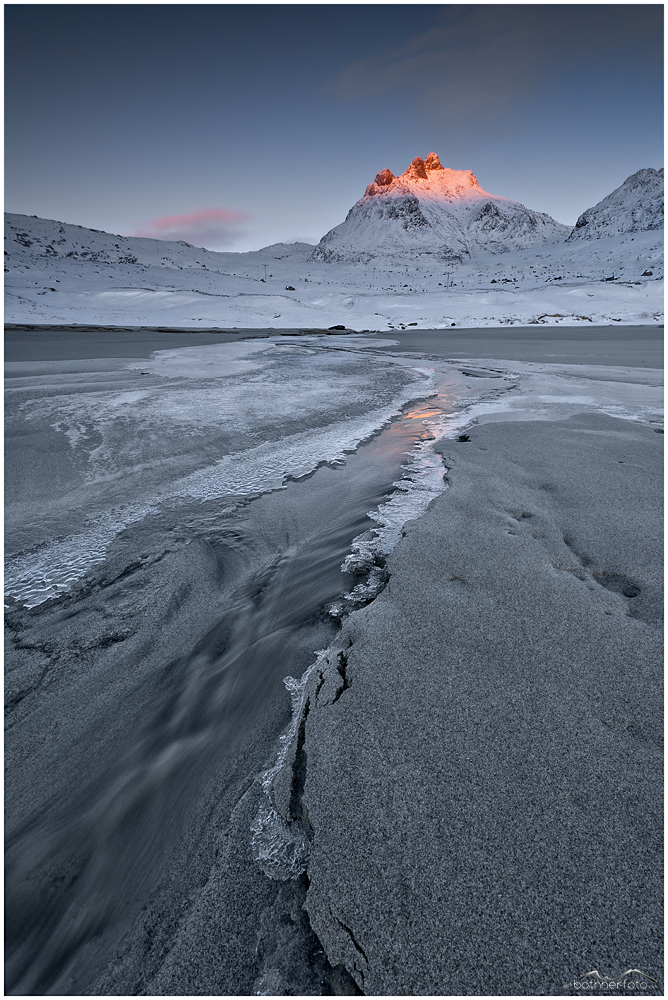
(428, 175)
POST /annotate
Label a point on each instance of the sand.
(477, 770)
(141, 708)
(482, 763)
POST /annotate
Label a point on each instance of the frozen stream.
(176, 527)
(176, 573)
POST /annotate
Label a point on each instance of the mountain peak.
(384, 178)
(417, 170)
(432, 209)
(636, 206)
(426, 177)
(432, 162)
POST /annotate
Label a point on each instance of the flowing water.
(146, 701)
(147, 744)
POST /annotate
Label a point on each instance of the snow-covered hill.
(635, 206)
(430, 209)
(63, 274)
(30, 240)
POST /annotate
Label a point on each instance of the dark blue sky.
(120, 115)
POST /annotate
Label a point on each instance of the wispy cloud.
(211, 228)
(483, 60)
(477, 63)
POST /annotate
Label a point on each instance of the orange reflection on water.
(423, 412)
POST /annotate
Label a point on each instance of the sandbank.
(482, 757)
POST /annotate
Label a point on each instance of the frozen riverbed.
(94, 446)
(165, 572)
(99, 446)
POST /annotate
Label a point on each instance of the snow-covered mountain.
(430, 209)
(636, 206)
(284, 251)
(31, 241)
(58, 273)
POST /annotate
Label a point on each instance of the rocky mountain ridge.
(609, 269)
(434, 210)
(635, 206)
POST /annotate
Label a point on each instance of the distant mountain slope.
(430, 209)
(30, 239)
(59, 274)
(284, 251)
(635, 206)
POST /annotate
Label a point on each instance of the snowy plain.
(63, 274)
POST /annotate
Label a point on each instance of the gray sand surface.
(482, 760)
(479, 766)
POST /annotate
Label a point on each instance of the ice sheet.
(226, 422)
(180, 437)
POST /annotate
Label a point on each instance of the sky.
(234, 126)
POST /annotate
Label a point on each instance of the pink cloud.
(211, 228)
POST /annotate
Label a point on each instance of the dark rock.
(384, 178)
(432, 162)
(417, 169)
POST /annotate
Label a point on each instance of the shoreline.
(633, 346)
(496, 697)
(236, 896)
(139, 647)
